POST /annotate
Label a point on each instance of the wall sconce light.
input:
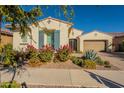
(95, 34)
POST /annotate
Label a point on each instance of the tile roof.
(66, 22)
(6, 32)
(56, 20)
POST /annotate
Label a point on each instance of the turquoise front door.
(53, 39)
(50, 39)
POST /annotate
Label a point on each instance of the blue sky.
(103, 18)
(89, 18)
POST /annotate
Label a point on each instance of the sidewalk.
(54, 77)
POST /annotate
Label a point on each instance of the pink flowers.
(66, 47)
(49, 47)
(46, 48)
(46, 52)
(30, 48)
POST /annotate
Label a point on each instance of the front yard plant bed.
(90, 60)
(60, 60)
(46, 57)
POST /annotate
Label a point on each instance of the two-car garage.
(96, 41)
(96, 45)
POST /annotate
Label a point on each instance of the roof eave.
(56, 20)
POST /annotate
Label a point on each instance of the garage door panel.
(94, 45)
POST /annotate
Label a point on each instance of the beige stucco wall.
(57, 25)
(17, 41)
(95, 35)
(74, 34)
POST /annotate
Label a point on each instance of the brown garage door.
(95, 45)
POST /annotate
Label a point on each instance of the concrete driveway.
(116, 59)
(111, 79)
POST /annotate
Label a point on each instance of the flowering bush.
(63, 53)
(46, 53)
(31, 51)
(31, 48)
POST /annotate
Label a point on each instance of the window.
(24, 39)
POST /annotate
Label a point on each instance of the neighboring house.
(6, 37)
(61, 33)
(118, 39)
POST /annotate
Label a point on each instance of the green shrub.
(90, 54)
(99, 61)
(89, 64)
(77, 61)
(106, 63)
(8, 47)
(34, 62)
(46, 53)
(14, 84)
(14, 58)
(7, 62)
(63, 53)
(7, 52)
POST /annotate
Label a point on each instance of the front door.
(73, 44)
(50, 39)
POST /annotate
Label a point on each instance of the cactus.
(90, 54)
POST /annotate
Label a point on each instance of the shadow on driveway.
(107, 82)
